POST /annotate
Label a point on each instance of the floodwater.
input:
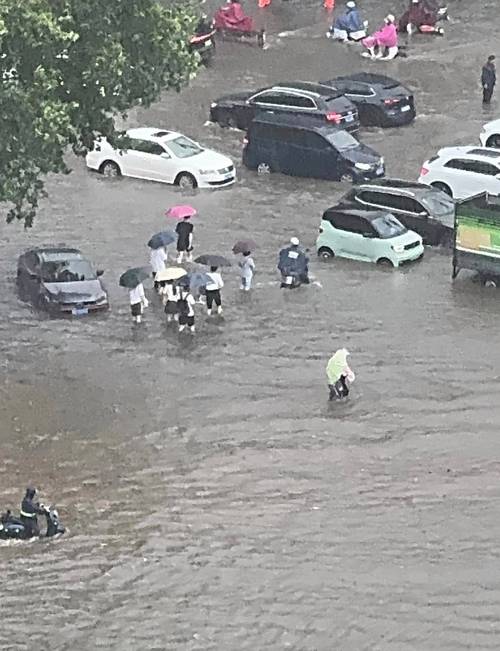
(214, 499)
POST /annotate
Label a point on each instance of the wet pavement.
(214, 499)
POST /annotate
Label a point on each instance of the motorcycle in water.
(203, 40)
(12, 528)
(292, 280)
(230, 20)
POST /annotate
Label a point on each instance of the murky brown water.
(214, 499)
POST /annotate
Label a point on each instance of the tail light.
(334, 117)
(391, 101)
(424, 171)
(245, 141)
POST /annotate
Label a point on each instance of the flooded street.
(214, 499)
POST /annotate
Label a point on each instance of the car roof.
(486, 154)
(358, 211)
(294, 121)
(46, 254)
(398, 184)
(152, 133)
(309, 88)
(370, 78)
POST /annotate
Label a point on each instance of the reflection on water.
(214, 499)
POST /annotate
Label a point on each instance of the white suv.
(165, 156)
(463, 171)
(490, 135)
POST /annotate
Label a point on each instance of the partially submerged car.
(61, 280)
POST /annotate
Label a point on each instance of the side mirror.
(369, 236)
(165, 155)
(424, 214)
(99, 272)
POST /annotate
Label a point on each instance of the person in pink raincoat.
(387, 37)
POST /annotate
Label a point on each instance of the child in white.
(158, 261)
(212, 290)
(171, 295)
(247, 267)
(185, 305)
(138, 302)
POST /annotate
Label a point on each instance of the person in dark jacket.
(293, 264)
(488, 79)
(29, 511)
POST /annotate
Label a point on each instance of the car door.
(148, 160)
(489, 173)
(309, 155)
(267, 100)
(361, 95)
(459, 177)
(161, 163)
(355, 235)
(30, 275)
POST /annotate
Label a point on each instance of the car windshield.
(183, 147)
(438, 205)
(388, 226)
(342, 140)
(67, 271)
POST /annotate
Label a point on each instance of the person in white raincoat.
(338, 374)
(158, 260)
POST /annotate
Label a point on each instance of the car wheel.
(186, 181)
(347, 177)
(264, 168)
(110, 169)
(384, 262)
(227, 120)
(325, 253)
(490, 282)
(494, 141)
(443, 187)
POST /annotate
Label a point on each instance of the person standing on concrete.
(488, 78)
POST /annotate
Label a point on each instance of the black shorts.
(184, 319)
(171, 307)
(183, 246)
(213, 296)
(136, 309)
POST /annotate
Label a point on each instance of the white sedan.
(164, 156)
(490, 135)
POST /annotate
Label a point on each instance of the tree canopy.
(68, 68)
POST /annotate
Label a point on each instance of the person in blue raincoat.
(293, 264)
(347, 24)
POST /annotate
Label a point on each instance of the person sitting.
(233, 17)
(29, 511)
(421, 17)
(293, 264)
(348, 26)
(385, 39)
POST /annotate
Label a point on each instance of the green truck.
(477, 237)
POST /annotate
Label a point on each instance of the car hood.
(406, 238)
(235, 97)
(362, 154)
(494, 125)
(85, 290)
(208, 160)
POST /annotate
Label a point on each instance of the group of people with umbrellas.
(178, 287)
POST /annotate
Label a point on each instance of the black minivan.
(279, 143)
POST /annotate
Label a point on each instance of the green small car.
(369, 235)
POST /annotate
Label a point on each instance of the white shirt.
(217, 282)
(190, 302)
(158, 259)
(137, 294)
(247, 266)
(171, 292)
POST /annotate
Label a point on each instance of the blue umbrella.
(195, 280)
(133, 277)
(163, 238)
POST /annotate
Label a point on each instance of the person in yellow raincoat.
(338, 374)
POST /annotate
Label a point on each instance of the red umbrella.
(179, 212)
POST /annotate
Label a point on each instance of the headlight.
(205, 172)
(381, 161)
(213, 104)
(363, 166)
(102, 299)
(399, 248)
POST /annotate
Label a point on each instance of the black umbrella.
(133, 277)
(210, 260)
(244, 246)
(164, 238)
(195, 280)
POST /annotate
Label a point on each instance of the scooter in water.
(292, 280)
(12, 528)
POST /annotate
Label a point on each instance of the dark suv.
(380, 100)
(292, 145)
(421, 208)
(319, 103)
